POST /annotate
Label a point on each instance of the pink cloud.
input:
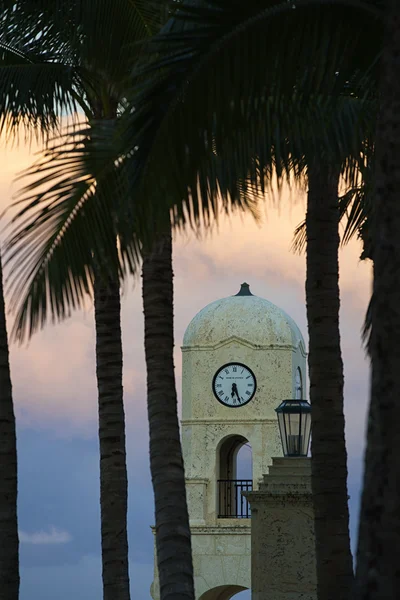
(54, 377)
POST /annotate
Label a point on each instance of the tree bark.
(9, 544)
(378, 571)
(329, 457)
(173, 542)
(113, 474)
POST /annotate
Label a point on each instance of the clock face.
(234, 385)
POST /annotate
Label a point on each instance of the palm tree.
(165, 447)
(9, 563)
(273, 117)
(377, 573)
(354, 206)
(37, 115)
(377, 216)
(329, 457)
(97, 44)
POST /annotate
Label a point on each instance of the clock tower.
(242, 356)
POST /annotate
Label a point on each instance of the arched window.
(246, 595)
(227, 592)
(234, 477)
(298, 384)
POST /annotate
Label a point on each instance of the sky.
(55, 398)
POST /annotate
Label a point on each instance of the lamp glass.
(294, 419)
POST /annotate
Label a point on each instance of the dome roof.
(245, 316)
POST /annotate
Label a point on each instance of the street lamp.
(294, 418)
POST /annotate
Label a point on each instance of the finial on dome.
(244, 290)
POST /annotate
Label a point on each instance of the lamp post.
(294, 419)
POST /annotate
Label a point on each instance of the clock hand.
(235, 391)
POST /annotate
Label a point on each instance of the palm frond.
(58, 231)
(299, 241)
(355, 214)
(112, 32)
(34, 92)
(58, 56)
(360, 218)
(367, 326)
(80, 201)
(68, 216)
(224, 76)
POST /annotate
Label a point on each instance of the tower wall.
(257, 334)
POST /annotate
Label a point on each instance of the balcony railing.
(231, 503)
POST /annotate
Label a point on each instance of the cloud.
(54, 376)
(59, 485)
(81, 580)
(54, 536)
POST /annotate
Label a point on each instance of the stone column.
(282, 533)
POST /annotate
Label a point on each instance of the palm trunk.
(9, 565)
(113, 474)
(378, 571)
(329, 458)
(173, 542)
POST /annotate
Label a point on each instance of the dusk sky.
(55, 396)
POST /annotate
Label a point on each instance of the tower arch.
(240, 357)
(222, 592)
(227, 452)
(299, 392)
(231, 504)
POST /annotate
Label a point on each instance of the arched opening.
(234, 477)
(298, 385)
(244, 462)
(225, 592)
(246, 595)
